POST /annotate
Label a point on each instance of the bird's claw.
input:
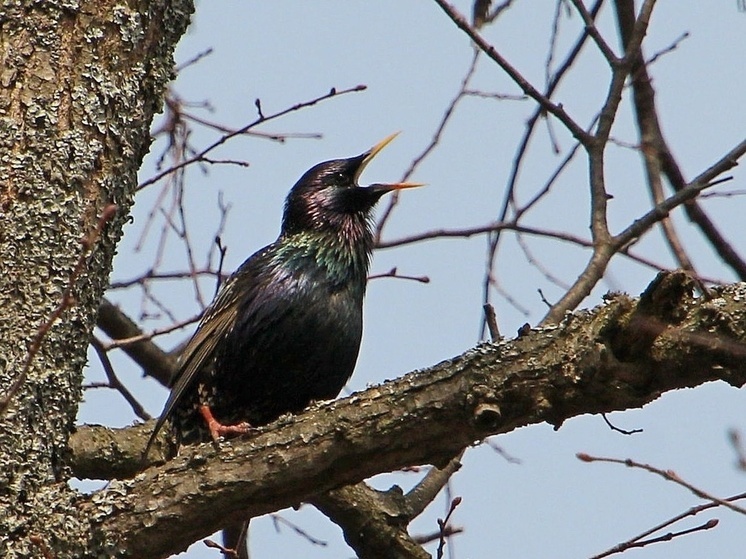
(218, 430)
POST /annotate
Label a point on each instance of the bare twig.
(734, 435)
(196, 58)
(221, 260)
(669, 475)
(645, 107)
(482, 229)
(491, 318)
(394, 273)
(519, 158)
(651, 137)
(502, 452)
(163, 276)
(670, 48)
(554, 109)
(394, 199)
(691, 512)
(664, 538)
(592, 30)
(424, 539)
(705, 180)
(536, 263)
(617, 429)
(604, 252)
(115, 383)
(278, 519)
(280, 137)
(495, 96)
(122, 342)
(260, 120)
(443, 524)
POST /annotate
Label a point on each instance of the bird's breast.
(295, 342)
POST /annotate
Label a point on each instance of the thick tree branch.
(618, 356)
(374, 522)
(117, 325)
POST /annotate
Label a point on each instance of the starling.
(285, 328)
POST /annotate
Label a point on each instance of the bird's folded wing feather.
(217, 322)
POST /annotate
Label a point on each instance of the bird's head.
(328, 195)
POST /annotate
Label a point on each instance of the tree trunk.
(81, 82)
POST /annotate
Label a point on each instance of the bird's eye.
(340, 178)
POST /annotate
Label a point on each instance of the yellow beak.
(371, 153)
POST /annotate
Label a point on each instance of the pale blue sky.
(412, 59)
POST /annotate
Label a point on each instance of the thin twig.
(670, 48)
(280, 137)
(278, 519)
(467, 232)
(221, 260)
(114, 381)
(153, 333)
(704, 181)
(260, 120)
(196, 58)
(690, 512)
(734, 435)
(394, 273)
(590, 26)
(554, 109)
(491, 318)
(651, 137)
(613, 427)
(425, 539)
(154, 361)
(520, 157)
(443, 523)
(434, 141)
(669, 475)
(664, 538)
(162, 276)
(603, 253)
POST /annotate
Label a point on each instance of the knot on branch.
(486, 412)
(487, 415)
(661, 305)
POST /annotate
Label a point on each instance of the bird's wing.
(217, 322)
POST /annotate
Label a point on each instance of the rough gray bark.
(81, 81)
(618, 356)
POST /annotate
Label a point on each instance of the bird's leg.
(217, 429)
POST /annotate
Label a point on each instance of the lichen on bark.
(81, 81)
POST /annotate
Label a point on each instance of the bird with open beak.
(285, 328)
